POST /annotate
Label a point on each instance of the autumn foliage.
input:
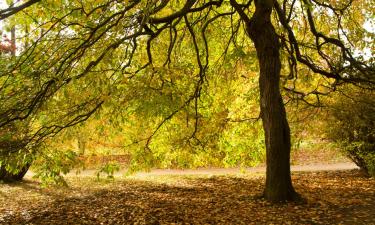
(6, 45)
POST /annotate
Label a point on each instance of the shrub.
(352, 127)
(51, 164)
(15, 152)
(109, 169)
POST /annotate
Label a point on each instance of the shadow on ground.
(343, 197)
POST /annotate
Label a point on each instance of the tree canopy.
(162, 62)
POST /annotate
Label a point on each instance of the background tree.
(351, 126)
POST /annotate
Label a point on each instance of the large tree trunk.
(277, 134)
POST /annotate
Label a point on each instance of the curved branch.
(5, 13)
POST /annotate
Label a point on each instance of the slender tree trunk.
(277, 134)
(13, 40)
(13, 37)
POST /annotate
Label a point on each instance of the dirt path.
(220, 171)
(224, 171)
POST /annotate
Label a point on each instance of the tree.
(277, 134)
(14, 137)
(351, 126)
(118, 40)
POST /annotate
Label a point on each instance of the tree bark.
(277, 134)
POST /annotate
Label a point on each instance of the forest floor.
(332, 197)
(335, 192)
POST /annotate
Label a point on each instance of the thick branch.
(5, 13)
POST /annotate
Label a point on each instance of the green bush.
(51, 165)
(109, 169)
(16, 152)
(352, 127)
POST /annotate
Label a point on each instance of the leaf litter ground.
(333, 197)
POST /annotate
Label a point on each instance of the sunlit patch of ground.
(333, 197)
